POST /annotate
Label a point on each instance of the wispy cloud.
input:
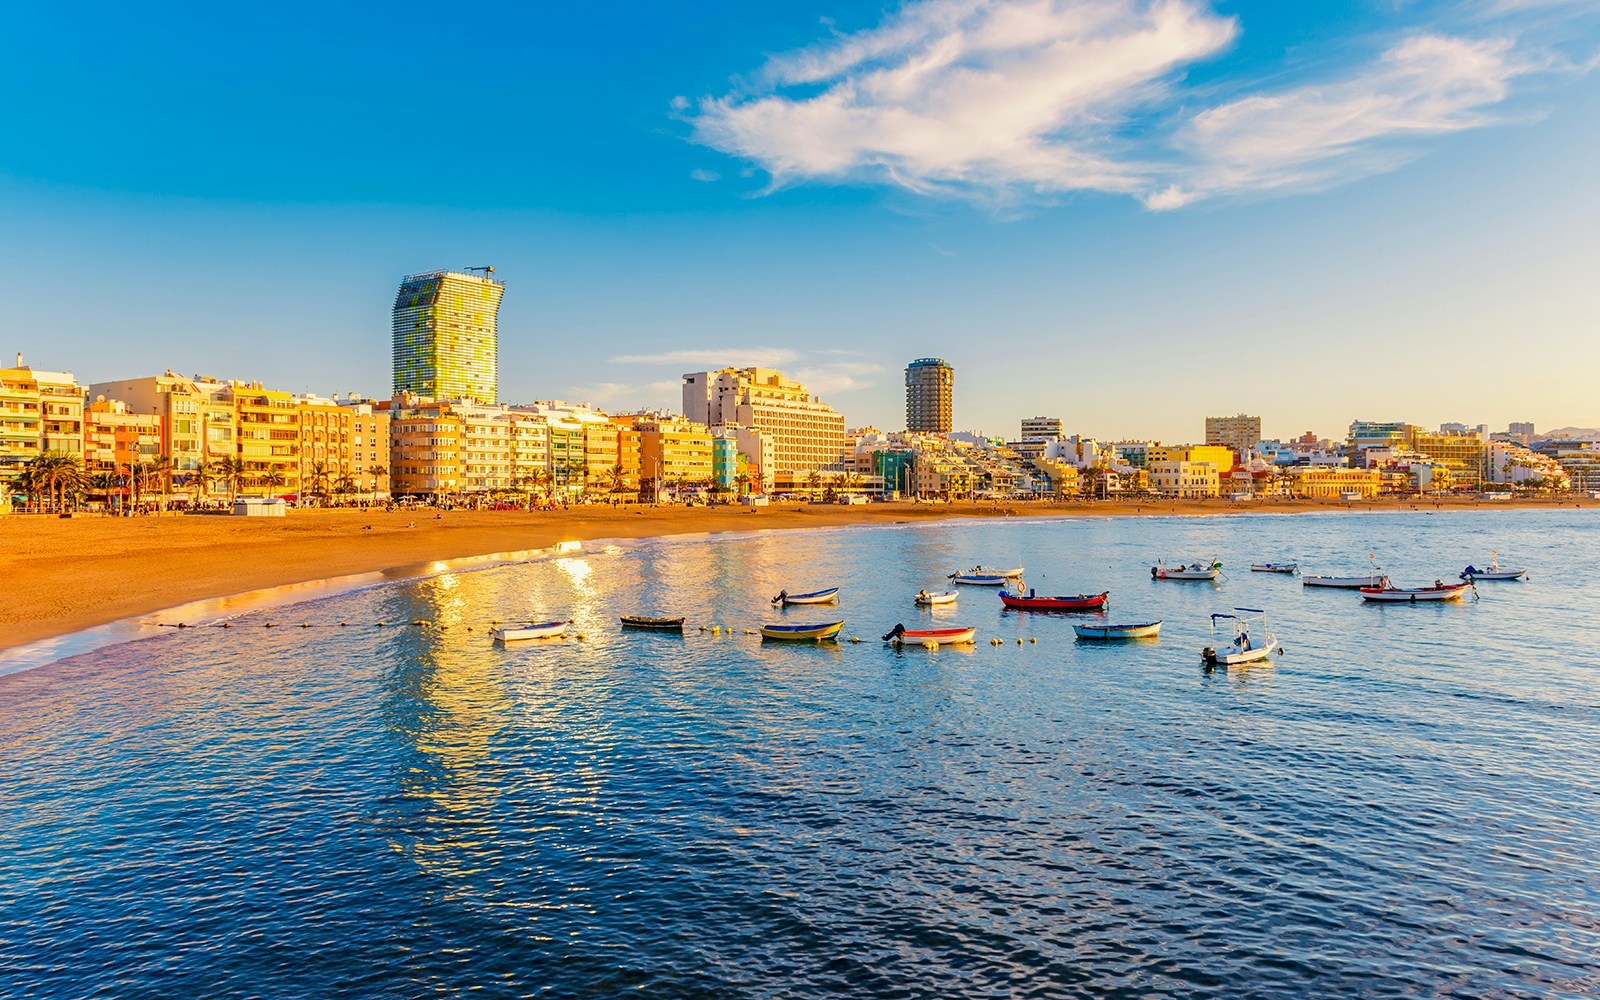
(1000, 100)
(760, 357)
(1316, 135)
(624, 395)
(969, 96)
(704, 176)
(841, 376)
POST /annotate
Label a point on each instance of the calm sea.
(1407, 803)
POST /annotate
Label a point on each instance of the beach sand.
(66, 574)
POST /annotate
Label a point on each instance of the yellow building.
(1329, 483)
(1215, 454)
(19, 421)
(806, 434)
(116, 443)
(673, 452)
(340, 444)
(425, 445)
(198, 423)
(1184, 479)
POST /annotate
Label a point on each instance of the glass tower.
(445, 344)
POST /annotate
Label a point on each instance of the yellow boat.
(814, 633)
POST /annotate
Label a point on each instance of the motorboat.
(1274, 567)
(1146, 630)
(802, 633)
(1192, 571)
(928, 600)
(900, 635)
(1245, 647)
(1032, 602)
(983, 576)
(536, 630)
(1494, 572)
(784, 598)
(652, 624)
(1440, 591)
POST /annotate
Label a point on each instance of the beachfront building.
(19, 421)
(1184, 479)
(1040, 428)
(198, 424)
(586, 446)
(445, 336)
(341, 443)
(674, 453)
(1511, 463)
(1135, 453)
(120, 451)
(1579, 459)
(425, 446)
(930, 395)
(807, 434)
(1240, 433)
(727, 464)
(1326, 483)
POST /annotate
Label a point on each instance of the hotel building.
(807, 435)
(1040, 428)
(930, 390)
(1241, 433)
(446, 343)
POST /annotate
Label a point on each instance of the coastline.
(72, 574)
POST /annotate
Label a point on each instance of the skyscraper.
(930, 386)
(1241, 433)
(445, 341)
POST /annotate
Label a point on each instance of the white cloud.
(728, 357)
(625, 395)
(1315, 135)
(704, 176)
(843, 376)
(970, 95)
(996, 100)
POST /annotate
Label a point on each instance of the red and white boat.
(1033, 602)
(1440, 591)
(938, 636)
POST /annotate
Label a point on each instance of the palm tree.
(814, 482)
(102, 483)
(198, 479)
(742, 481)
(230, 469)
(377, 472)
(319, 474)
(273, 478)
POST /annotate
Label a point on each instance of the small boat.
(1345, 582)
(807, 633)
(1494, 572)
(1193, 571)
(539, 630)
(784, 598)
(1274, 567)
(983, 576)
(1245, 648)
(1033, 602)
(927, 600)
(938, 636)
(1147, 630)
(1440, 591)
(652, 624)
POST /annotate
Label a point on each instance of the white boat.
(927, 600)
(983, 576)
(1192, 571)
(1494, 572)
(538, 630)
(1345, 582)
(959, 636)
(1440, 591)
(828, 596)
(1274, 567)
(1251, 640)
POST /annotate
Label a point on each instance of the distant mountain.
(1572, 434)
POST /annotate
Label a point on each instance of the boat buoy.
(341, 625)
(268, 625)
(225, 624)
(304, 625)
(1031, 639)
(580, 636)
(1019, 640)
(855, 638)
(930, 644)
(702, 628)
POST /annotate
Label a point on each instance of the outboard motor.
(895, 633)
(782, 596)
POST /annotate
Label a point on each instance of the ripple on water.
(1403, 805)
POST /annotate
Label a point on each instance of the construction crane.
(486, 269)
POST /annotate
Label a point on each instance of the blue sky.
(1130, 214)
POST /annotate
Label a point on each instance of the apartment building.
(1240, 433)
(807, 435)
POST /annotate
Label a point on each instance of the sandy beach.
(67, 574)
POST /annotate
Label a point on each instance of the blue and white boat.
(784, 598)
(984, 576)
(798, 633)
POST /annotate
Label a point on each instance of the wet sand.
(67, 574)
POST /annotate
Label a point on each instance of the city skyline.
(1434, 265)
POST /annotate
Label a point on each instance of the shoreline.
(74, 574)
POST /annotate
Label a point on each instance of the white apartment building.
(806, 433)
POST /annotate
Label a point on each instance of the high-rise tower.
(445, 340)
(930, 386)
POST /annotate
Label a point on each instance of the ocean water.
(1407, 803)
